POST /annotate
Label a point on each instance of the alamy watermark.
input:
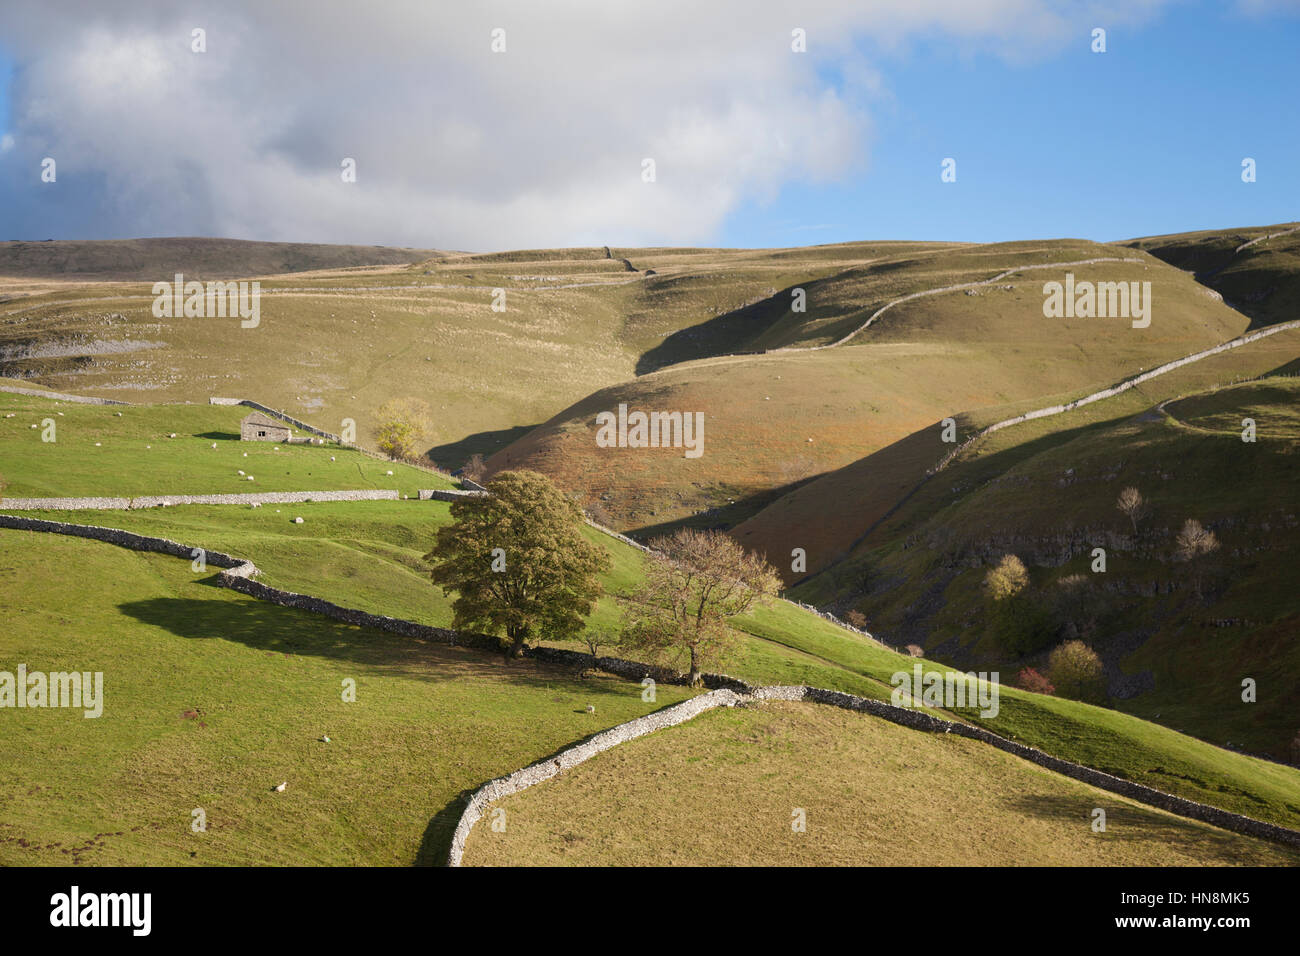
(651, 430)
(74, 689)
(950, 689)
(195, 300)
(1102, 300)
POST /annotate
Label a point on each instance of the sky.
(544, 143)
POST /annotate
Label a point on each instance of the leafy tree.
(397, 439)
(694, 583)
(1018, 622)
(1076, 670)
(1077, 604)
(518, 561)
(1133, 505)
(1006, 579)
(403, 423)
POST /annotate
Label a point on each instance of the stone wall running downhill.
(570, 757)
(1115, 389)
(237, 574)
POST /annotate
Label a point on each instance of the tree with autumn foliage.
(518, 561)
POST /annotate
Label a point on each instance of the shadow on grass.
(272, 629)
(219, 436)
(453, 455)
(1143, 826)
(722, 518)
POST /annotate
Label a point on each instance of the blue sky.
(1144, 139)
(1049, 141)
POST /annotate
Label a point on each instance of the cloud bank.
(457, 146)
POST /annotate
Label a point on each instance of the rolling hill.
(200, 258)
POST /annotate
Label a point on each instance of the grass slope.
(127, 449)
(722, 789)
(366, 555)
(212, 698)
(1048, 496)
(775, 420)
(1256, 269)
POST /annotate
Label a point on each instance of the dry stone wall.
(533, 774)
(158, 501)
(59, 396)
(479, 802)
(1115, 389)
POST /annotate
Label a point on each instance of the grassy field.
(367, 555)
(723, 789)
(212, 698)
(96, 452)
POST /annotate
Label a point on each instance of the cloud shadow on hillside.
(722, 335)
(452, 455)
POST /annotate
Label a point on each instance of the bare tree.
(1194, 542)
(695, 582)
(597, 637)
(1133, 505)
(474, 469)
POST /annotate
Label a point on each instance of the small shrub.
(1007, 579)
(1031, 680)
(1076, 671)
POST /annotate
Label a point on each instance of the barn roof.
(257, 418)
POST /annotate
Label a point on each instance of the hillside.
(1048, 495)
(341, 344)
(776, 419)
(1257, 270)
(151, 260)
(235, 699)
(172, 720)
(722, 790)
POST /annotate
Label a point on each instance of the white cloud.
(458, 147)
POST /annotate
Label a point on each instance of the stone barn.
(259, 427)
